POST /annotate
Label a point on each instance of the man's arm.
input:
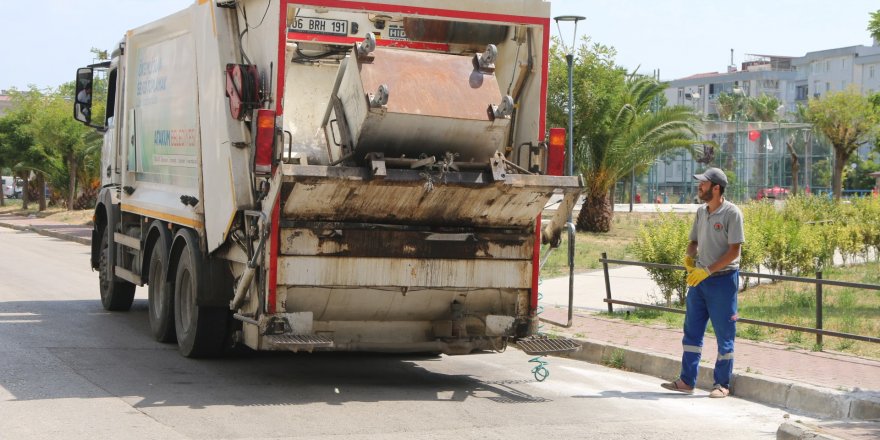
(727, 258)
(692, 249)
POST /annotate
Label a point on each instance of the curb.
(800, 431)
(48, 233)
(802, 398)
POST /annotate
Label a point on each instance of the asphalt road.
(68, 369)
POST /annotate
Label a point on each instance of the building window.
(842, 85)
(843, 64)
(827, 65)
(871, 71)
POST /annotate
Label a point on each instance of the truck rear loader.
(328, 174)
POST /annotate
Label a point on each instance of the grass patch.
(54, 213)
(616, 359)
(589, 245)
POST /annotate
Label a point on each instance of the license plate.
(323, 26)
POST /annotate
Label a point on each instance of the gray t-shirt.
(715, 232)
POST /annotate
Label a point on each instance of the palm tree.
(632, 136)
(763, 108)
(874, 25)
(730, 107)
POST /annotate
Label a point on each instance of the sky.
(47, 40)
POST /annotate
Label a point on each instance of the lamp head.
(574, 18)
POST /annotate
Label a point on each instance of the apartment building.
(837, 69)
(793, 80)
(760, 75)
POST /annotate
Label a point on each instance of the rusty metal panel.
(449, 116)
(329, 240)
(403, 272)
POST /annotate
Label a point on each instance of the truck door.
(110, 150)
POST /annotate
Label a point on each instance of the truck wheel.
(161, 293)
(201, 330)
(116, 294)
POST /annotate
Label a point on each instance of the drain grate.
(544, 345)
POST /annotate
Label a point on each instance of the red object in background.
(754, 135)
(556, 152)
(772, 193)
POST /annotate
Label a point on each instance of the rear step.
(300, 342)
(542, 345)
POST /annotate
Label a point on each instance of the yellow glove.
(689, 263)
(697, 276)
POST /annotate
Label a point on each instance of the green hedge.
(796, 237)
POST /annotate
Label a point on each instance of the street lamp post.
(569, 59)
(739, 155)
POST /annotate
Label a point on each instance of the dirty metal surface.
(403, 272)
(347, 194)
(327, 240)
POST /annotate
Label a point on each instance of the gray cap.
(713, 175)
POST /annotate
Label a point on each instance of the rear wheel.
(201, 330)
(161, 293)
(116, 294)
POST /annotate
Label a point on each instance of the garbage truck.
(328, 174)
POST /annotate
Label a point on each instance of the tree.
(874, 25)
(617, 130)
(848, 120)
(763, 108)
(16, 140)
(730, 107)
(53, 128)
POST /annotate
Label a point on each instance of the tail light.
(265, 141)
(556, 152)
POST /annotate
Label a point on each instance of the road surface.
(69, 369)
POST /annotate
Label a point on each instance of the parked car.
(772, 193)
(12, 190)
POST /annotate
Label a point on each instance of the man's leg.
(695, 321)
(722, 310)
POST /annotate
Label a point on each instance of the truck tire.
(201, 330)
(116, 294)
(161, 292)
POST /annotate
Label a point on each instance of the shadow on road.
(75, 349)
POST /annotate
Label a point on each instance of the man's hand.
(697, 276)
(689, 264)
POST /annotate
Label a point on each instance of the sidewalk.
(78, 233)
(843, 390)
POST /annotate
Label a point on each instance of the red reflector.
(556, 152)
(265, 141)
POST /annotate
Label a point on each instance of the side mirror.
(82, 101)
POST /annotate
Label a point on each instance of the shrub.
(665, 241)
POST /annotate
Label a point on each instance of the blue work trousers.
(715, 299)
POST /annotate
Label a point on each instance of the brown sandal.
(677, 385)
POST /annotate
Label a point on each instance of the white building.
(834, 70)
(760, 75)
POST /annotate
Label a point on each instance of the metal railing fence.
(819, 282)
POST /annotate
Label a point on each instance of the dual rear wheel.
(173, 293)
